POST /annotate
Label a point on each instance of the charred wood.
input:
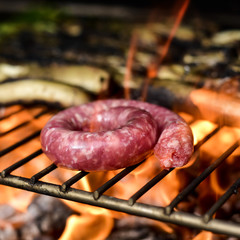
(45, 218)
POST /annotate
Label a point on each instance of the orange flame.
(201, 128)
(20, 199)
(162, 51)
(99, 222)
(204, 235)
(180, 15)
(89, 226)
(127, 76)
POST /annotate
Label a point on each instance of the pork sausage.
(116, 133)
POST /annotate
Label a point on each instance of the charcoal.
(8, 233)
(138, 230)
(29, 231)
(6, 211)
(47, 217)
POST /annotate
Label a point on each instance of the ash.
(45, 219)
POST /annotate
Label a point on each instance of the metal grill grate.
(131, 205)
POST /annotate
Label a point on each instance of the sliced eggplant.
(32, 90)
(93, 79)
(226, 38)
(205, 58)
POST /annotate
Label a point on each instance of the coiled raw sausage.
(112, 134)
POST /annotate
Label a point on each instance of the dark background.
(203, 6)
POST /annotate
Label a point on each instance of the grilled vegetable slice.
(93, 79)
(31, 90)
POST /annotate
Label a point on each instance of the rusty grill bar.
(130, 206)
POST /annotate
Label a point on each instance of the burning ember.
(166, 63)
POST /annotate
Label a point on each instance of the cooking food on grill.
(226, 38)
(218, 107)
(207, 58)
(80, 75)
(28, 91)
(74, 75)
(116, 133)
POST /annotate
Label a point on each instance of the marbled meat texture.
(113, 134)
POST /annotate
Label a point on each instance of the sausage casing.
(112, 134)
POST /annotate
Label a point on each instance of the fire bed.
(131, 205)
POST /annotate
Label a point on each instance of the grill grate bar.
(44, 111)
(19, 143)
(207, 137)
(66, 185)
(12, 113)
(24, 123)
(131, 205)
(148, 186)
(18, 164)
(97, 193)
(112, 203)
(232, 190)
(15, 128)
(42, 173)
(200, 178)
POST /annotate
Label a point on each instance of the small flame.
(214, 182)
(131, 53)
(92, 222)
(162, 51)
(204, 235)
(201, 128)
(88, 226)
(224, 138)
(179, 18)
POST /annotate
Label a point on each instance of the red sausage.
(113, 134)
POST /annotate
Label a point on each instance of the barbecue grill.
(131, 206)
(88, 50)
